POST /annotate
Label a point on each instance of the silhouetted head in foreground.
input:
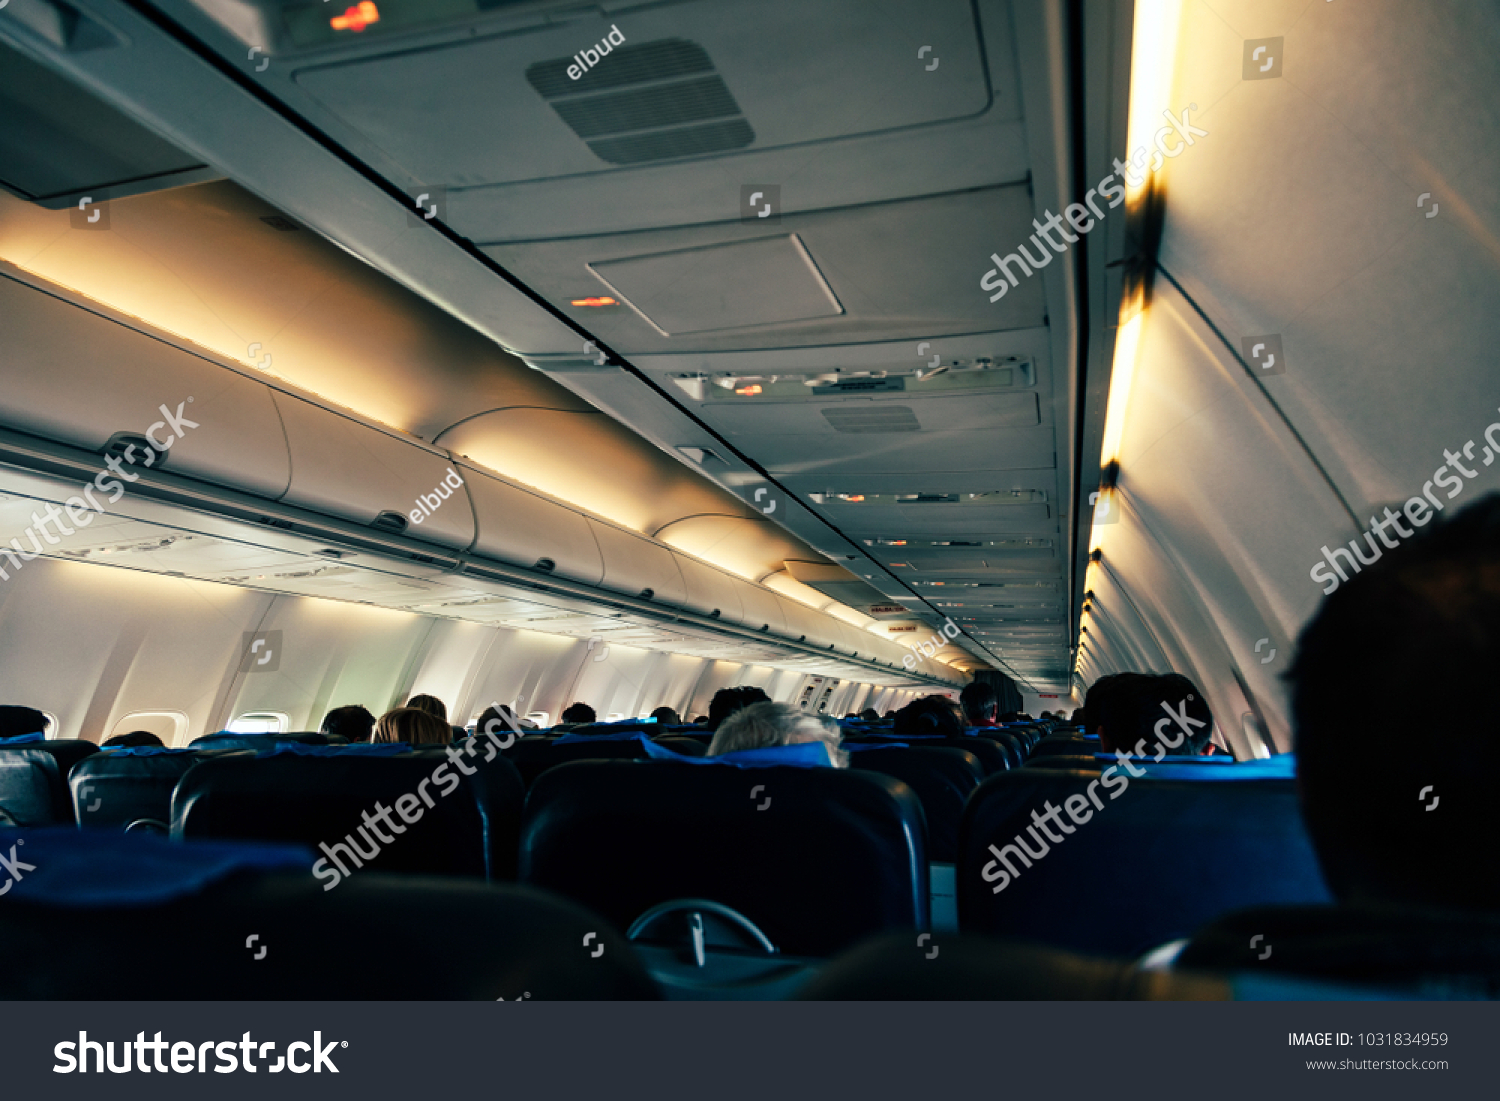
(1401, 807)
(665, 716)
(767, 724)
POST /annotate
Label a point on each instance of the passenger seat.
(34, 780)
(1175, 849)
(812, 858)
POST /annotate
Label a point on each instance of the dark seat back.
(1431, 953)
(1070, 745)
(464, 824)
(225, 739)
(816, 857)
(534, 757)
(1162, 856)
(34, 780)
(114, 790)
(941, 776)
(993, 756)
(177, 917)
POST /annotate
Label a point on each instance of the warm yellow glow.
(1127, 343)
(787, 585)
(1153, 51)
(848, 615)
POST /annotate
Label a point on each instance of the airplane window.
(170, 726)
(539, 718)
(53, 729)
(260, 722)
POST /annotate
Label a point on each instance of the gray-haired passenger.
(766, 724)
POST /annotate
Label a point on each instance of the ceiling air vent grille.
(878, 418)
(655, 101)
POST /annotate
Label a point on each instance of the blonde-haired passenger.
(771, 724)
(412, 726)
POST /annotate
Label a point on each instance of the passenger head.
(1151, 715)
(1097, 703)
(578, 713)
(930, 715)
(1399, 810)
(666, 716)
(979, 703)
(870, 715)
(132, 740)
(498, 721)
(15, 721)
(430, 704)
(412, 726)
(766, 724)
(727, 701)
(353, 723)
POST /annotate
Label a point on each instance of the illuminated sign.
(356, 18)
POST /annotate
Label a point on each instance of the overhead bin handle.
(391, 521)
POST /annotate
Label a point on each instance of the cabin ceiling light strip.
(983, 373)
(943, 544)
(991, 498)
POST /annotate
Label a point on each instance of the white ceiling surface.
(898, 176)
(1298, 215)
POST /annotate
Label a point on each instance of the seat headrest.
(448, 822)
(1123, 864)
(815, 857)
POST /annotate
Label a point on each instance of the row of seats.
(189, 912)
(815, 859)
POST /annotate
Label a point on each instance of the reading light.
(602, 300)
(749, 391)
(356, 18)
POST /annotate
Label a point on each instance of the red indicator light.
(356, 18)
(602, 301)
(749, 391)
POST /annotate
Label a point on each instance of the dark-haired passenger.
(135, 739)
(1399, 813)
(578, 714)
(352, 722)
(16, 721)
(980, 703)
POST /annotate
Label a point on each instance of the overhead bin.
(637, 566)
(77, 376)
(523, 527)
(708, 591)
(759, 607)
(343, 467)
